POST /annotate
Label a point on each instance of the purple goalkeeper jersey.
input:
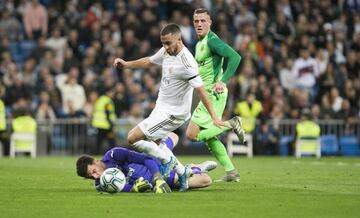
(133, 164)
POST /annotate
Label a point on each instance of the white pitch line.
(342, 164)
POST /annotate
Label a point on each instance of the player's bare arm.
(206, 101)
(139, 63)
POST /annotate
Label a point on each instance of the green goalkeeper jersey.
(210, 53)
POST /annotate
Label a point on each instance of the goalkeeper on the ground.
(142, 171)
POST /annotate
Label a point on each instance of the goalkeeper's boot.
(231, 176)
(206, 166)
(237, 127)
(184, 179)
(166, 168)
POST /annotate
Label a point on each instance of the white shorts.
(159, 124)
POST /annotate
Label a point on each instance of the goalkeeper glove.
(141, 185)
(161, 186)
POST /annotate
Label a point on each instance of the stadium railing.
(76, 136)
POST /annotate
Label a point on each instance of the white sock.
(179, 169)
(152, 149)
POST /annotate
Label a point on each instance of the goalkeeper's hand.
(161, 186)
(141, 185)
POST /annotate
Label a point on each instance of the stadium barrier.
(76, 136)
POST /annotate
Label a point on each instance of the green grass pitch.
(269, 187)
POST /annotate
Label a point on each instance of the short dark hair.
(172, 28)
(202, 10)
(82, 165)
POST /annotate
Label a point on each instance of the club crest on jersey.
(165, 80)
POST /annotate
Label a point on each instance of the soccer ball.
(112, 180)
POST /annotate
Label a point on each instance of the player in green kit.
(209, 54)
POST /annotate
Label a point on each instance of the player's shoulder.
(212, 37)
(186, 58)
(115, 150)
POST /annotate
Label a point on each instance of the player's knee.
(131, 138)
(191, 135)
(174, 138)
(206, 180)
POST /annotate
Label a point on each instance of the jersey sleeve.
(221, 48)
(125, 155)
(158, 57)
(191, 70)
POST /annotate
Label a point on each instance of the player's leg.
(170, 141)
(183, 172)
(218, 150)
(209, 131)
(137, 141)
(201, 118)
(201, 180)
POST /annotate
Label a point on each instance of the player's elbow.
(237, 58)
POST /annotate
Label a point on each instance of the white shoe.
(206, 166)
(236, 124)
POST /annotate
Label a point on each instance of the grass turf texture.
(269, 187)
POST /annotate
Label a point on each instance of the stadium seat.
(28, 144)
(13, 47)
(284, 143)
(307, 146)
(26, 47)
(349, 145)
(329, 145)
(235, 147)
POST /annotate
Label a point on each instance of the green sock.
(217, 149)
(207, 134)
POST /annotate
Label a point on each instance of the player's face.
(171, 43)
(96, 169)
(202, 23)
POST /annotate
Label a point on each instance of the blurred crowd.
(56, 56)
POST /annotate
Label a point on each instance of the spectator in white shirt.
(73, 93)
(305, 70)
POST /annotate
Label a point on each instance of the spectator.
(265, 139)
(90, 103)
(35, 20)
(73, 94)
(58, 44)
(335, 99)
(44, 110)
(305, 70)
(39, 52)
(286, 77)
(249, 110)
(10, 26)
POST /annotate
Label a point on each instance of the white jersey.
(180, 75)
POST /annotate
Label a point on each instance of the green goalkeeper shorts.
(202, 117)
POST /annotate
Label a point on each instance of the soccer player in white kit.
(179, 77)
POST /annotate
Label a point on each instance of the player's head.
(88, 167)
(202, 22)
(170, 37)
